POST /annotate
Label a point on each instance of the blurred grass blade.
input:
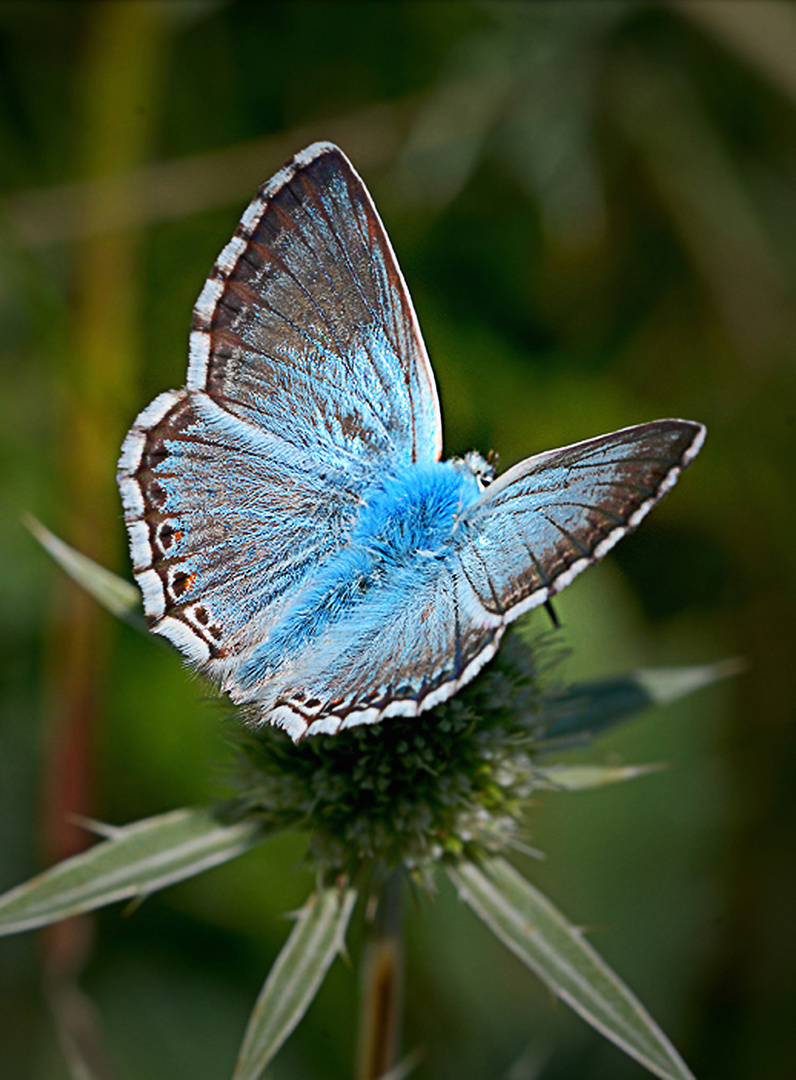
(585, 710)
(584, 777)
(115, 594)
(405, 1067)
(528, 924)
(80, 1032)
(294, 979)
(763, 35)
(137, 860)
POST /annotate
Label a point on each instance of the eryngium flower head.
(446, 785)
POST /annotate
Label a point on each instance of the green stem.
(381, 989)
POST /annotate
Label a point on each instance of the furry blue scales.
(402, 532)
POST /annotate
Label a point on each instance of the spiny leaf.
(583, 777)
(136, 860)
(664, 685)
(528, 924)
(586, 710)
(115, 594)
(316, 939)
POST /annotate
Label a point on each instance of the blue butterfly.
(292, 528)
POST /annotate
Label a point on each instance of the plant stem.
(381, 988)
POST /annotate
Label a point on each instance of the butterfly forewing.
(552, 515)
(306, 328)
(307, 375)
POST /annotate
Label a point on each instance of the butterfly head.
(482, 468)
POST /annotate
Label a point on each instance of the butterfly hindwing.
(225, 521)
(401, 651)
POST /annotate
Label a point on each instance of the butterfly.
(292, 528)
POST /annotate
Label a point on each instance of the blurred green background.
(594, 204)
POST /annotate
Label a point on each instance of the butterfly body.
(292, 528)
(400, 546)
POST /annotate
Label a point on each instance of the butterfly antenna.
(551, 611)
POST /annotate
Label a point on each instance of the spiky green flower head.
(410, 791)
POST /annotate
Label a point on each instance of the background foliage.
(594, 204)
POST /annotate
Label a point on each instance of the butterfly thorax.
(411, 515)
